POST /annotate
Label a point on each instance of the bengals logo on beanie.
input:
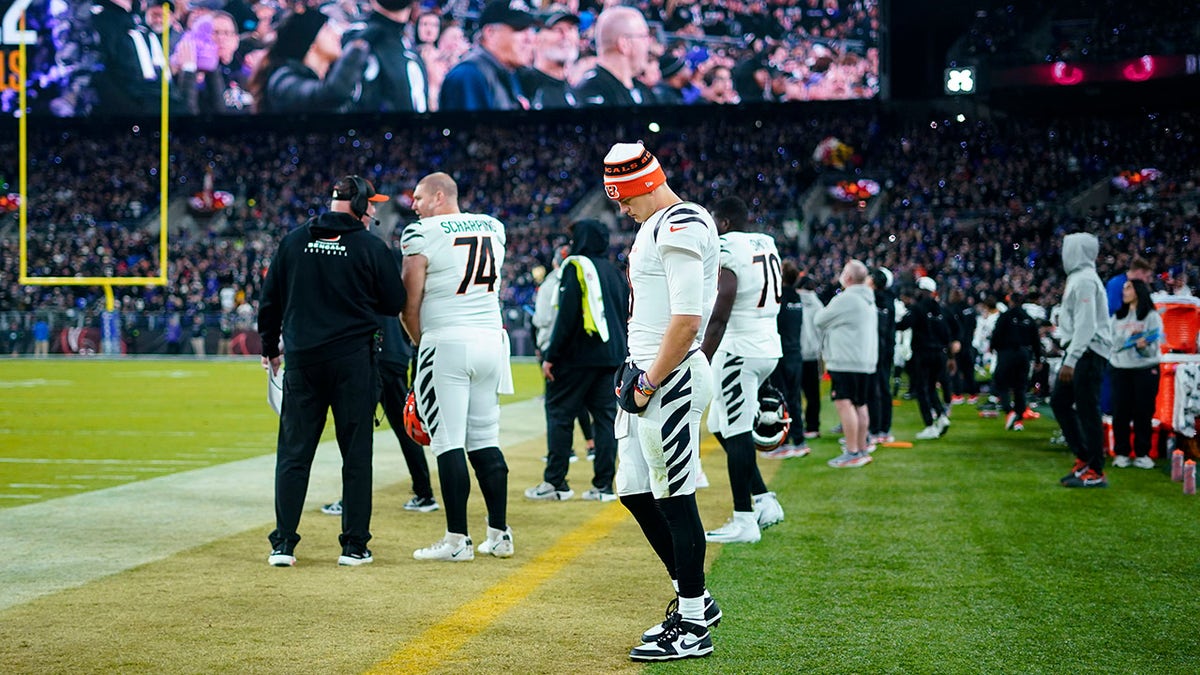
(630, 171)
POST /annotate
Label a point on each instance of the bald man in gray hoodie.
(1084, 323)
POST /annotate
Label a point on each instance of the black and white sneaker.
(546, 492)
(679, 640)
(354, 557)
(712, 617)
(281, 557)
(422, 504)
(334, 509)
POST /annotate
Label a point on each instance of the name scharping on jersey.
(325, 247)
(456, 226)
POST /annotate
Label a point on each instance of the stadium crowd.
(982, 203)
(236, 57)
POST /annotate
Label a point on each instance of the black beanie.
(296, 33)
(395, 5)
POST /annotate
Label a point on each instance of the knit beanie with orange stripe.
(630, 171)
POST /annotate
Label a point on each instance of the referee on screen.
(326, 286)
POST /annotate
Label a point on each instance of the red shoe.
(1087, 479)
(1076, 470)
(1031, 414)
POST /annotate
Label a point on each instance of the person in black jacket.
(324, 291)
(581, 360)
(962, 308)
(394, 354)
(395, 79)
(307, 69)
(545, 82)
(788, 375)
(931, 343)
(128, 79)
(879, 397)
(623, 43)
(1016, 343)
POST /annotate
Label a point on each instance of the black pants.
(347, 385)
(1012, 376)
(810, 383)
(879, 399)
(573, 390)
(927, 369)
(393, 379)
(788, 378)
(1076, 404)
(964, 379)
(1134, 391)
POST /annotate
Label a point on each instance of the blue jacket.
(480, 82)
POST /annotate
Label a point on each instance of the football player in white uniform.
(452, 263)
(742, 342)
(664, 387)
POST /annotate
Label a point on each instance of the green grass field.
(961, 555)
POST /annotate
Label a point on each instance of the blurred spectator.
(623, 48)
(676, 76)
(546, 83)
(306, 69)
(485, 79)
(395, 79)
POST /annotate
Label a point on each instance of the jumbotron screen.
(240, 57)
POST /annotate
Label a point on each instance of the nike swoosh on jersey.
(676, 229)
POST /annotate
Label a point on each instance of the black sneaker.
(422, 504)
(712, 617)
(679, 640)
(281, 557)
(334, 509)
(353, 557)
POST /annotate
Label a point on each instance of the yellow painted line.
(430, 649)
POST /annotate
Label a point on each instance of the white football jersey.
(654, 295)
(754, 259)
(462, 282)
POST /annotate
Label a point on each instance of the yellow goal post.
(107, 283)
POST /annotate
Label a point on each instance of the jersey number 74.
(481, 263)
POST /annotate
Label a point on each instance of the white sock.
(692, 609)
(675, 583)
(745, 517)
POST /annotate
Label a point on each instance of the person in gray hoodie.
(850, 346)
(810, 355)
(1088, 337)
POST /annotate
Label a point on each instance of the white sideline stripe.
(115, 529)
(106, 432)
(20, 496)
(47, 486)
(47, 460)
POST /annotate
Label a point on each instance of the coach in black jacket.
(579, 364)
(326, 286)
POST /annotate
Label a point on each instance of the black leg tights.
(744, 477)
(645, 511)
(456, 488)
(492, 473)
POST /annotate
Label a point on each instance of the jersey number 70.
(481, 263)
(772, 274)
